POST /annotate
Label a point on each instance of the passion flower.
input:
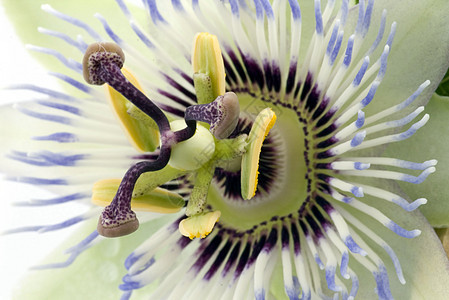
(264, 140)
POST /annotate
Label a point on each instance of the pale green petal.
(95, 274)
(424, 263)
(423, 260)
(419, 51)
(430, 142)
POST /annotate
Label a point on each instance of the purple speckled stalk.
(105, 67)
(111, 74)
(208, 113)
(119, 211)
(222, 114)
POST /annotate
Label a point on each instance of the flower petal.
(95, 274)
(430, 142)
(423, 260)
(414, 48)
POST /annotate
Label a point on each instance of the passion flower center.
(287, 152)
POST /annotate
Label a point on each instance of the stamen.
(207, 60)
(250, 160)
(200, 225)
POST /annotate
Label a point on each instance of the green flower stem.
(198, 196)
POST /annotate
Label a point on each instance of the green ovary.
(289, 188)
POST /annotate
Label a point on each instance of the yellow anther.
(250, 160)
(140, 129)
(207, 60)
(199, 226)
(158, 200)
